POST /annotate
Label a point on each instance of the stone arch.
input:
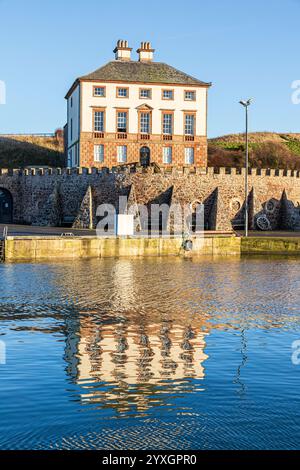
(6, 206)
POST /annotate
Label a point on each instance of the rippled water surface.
(150, 354)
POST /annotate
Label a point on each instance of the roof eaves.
(102, 80)
(70, 91)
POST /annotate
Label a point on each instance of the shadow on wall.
(31, 151)
(273, 214)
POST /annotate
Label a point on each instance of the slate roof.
(144, 72)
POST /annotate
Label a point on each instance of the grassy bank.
(266, 150)
(19, 151)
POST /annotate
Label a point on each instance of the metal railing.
(49, 134)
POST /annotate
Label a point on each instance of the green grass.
(234, 146)
(294, 146)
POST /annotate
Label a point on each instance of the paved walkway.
(275, 233)
(19, 230)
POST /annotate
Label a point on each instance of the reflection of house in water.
(124, 365)
(131, 344)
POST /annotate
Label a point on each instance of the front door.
(145, 156)
(5, 207)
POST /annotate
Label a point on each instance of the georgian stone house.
(136, 111)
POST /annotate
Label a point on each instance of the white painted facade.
(82, 102)
(111, 103)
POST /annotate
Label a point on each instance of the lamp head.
(246, 103)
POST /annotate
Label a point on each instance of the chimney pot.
(145, 52)
(122, 51)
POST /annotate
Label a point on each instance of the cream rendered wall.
(111, 102)
(73, 113)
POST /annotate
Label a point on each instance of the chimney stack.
(145, 52)
(122, 51)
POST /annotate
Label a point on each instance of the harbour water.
(156, 353)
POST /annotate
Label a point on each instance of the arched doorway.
(6, 207)
(145, 156)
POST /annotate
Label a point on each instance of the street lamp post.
(246, 104)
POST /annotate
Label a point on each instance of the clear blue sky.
(247, 49)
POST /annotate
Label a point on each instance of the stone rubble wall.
(60, 196)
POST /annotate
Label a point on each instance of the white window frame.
(148, 94)
(122, 117)
(99, 153)
(169, 94)
(99, 121)
(189, 155)
(168, 126)
(102, 95)
(190, 93)
(167, 155)
(189, 124)
(121, 89)
(122, 153)
(145, 123)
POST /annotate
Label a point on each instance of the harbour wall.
(23, 249)
(60, 197)
(270, 245)
(38, 249)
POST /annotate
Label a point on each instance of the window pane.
(145, 93)
(167, 123)
(122, 92)
(122, 153)
(190, 95)
(99, 153)
(99, 121)
(145, 123)
(189, 124)
(168, 94)
(167, 155)
(99, 91)
(189, 155)
(122, 121)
